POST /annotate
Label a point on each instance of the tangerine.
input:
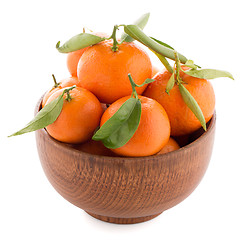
(69, 82)
(171, 145)
(182, 119)
(153, 131)
(94, 147)
(73, 57)
(79, 117)
(104, 72)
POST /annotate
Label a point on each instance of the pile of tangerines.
(116, 103)
(101, 77)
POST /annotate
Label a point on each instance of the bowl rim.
(210, 128)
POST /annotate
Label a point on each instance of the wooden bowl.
(122, 189)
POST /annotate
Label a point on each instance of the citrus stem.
(178, 68)
(113, 36)
(133, 84)
(68, 98)
(55, 81)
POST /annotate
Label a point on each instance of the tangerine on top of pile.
(182, 119)
(105, 72)
(152, 133)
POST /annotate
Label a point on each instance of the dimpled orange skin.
(105, 73)
(68, 82)
(171, 145)
(78, 118)
(73, 57)
(182, 120)
(153, 131)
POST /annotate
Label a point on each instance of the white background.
(205, 31)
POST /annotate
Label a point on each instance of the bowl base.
(123, 220)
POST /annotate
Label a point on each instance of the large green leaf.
(141, 23)
(119, 129)
(162, 43)
(45, 117)
(136, 33)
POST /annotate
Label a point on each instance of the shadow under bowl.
(123, 189)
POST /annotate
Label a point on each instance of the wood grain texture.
(125, 190)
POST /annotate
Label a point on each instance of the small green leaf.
(190, 63)
(208, 73)
(148, 80)
(79, 41)
(120, 128)
(141, 23)
(162, 43)
(193, 105)
(136, 33)
(170, 83)
(45, 116)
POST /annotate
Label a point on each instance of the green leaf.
(170, 83)
(45, 116)
(162, 58)
(141, 23)
(136, 33)
(79, 41)
(208, 73)
(120, 128)
(190, 63)
(148, 80)
(162, 43)
(193, 105)
(164, 61)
